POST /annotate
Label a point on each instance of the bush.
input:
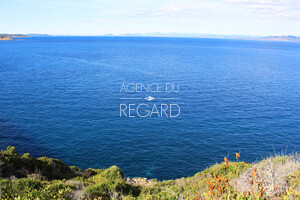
(275, 177)
(26, 156)
(109, 181)
(75, 169)
(11, 151)
(113, 173)
(20, 166)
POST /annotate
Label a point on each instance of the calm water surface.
(60, 97)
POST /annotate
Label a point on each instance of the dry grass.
(78, 192)
(272, 172)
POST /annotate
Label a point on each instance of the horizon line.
(157, 34)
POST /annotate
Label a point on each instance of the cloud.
(207, 9)
(50, 4)
(197, 10)
(189, 9)
(170, 12)
(272, 9)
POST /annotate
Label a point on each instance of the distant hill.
(37, 35)
(188, 35)
(2, 37)
(11, 36)
(158, 34)
(282, 38)
(196, 35)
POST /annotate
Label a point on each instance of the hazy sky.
(96, 17)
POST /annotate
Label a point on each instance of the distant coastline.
(174, 35)
(12, 36)
(5, 38)
(282, 38)
(211, 36)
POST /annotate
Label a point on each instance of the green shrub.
(113, 173)
(46, 180)
(20, 166)
(26, 156)
(108, 181)
(11, 151)
(54, 168)
(90, 172)
(75, 169)
(232, 171)
(26, 188)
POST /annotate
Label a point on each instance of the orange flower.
(225, 159)
(224, 179)
(262, 191)
(209, 193)
(211, 185)
(251, 182)
(253, 172)
(237, 155)
(216, 177)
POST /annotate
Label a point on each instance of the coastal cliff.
(25, 177)
(5, 38)
(11, 36)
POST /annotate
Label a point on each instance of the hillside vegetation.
(25, 177)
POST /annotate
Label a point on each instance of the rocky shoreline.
(5, 38)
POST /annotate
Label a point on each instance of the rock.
(5, 38)
(139, 181)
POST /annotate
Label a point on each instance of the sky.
(98, 17)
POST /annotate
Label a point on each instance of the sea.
(94, 102)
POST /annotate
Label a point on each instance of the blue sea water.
(60, 97)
